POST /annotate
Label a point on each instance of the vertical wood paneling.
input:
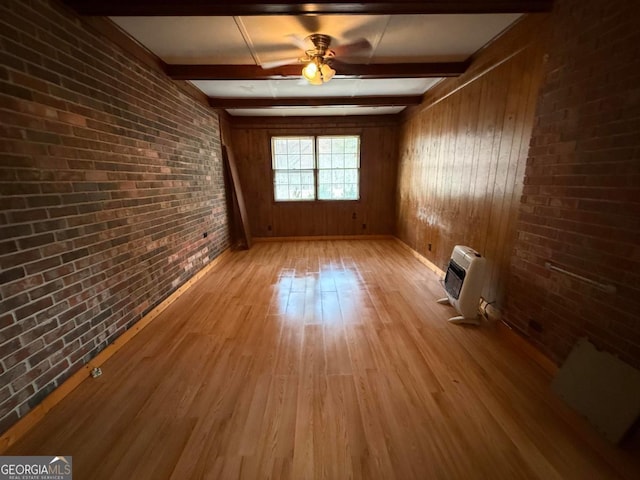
(374, 212)
(461, 161)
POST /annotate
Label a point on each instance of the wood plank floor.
(320, 360)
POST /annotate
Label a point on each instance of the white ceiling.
(292, 88)
(333, 111)
(254, 40)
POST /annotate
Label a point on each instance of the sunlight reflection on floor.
(324, 297)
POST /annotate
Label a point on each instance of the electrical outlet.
(429, 246)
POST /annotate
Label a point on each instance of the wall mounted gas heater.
(463, 284)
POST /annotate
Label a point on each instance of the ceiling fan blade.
(299, 42)
(358, 47)
(311, 23)
(280, 63)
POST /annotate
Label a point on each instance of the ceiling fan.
(318, 60)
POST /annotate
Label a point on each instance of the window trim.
(273, 135)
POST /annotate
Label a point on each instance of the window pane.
(279, 146)
(306, 146)
(337, 145)
(324, 144)
(306, 161)
(280, 161)
(324, 160)
(282, 192)
(281, 178)
(337, 176)
(294, 162)
(351, 144)
(324, 191)
(293, 146)
(351, 176)
(307, 177)
(351, 160)
(351, 191)
(324, 176)
(288, 152)
(307, 192)
(337, 161)
(294, 178)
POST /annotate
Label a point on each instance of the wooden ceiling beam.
(287, 7)
(343, 70)
(377, 101)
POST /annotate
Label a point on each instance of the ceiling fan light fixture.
(316, 72)
(310, 71)
(316, 81)
(327, 72)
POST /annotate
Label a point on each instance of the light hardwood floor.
(320, 359)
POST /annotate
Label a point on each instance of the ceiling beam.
(343, 70)
(287, 7)
(377, 101)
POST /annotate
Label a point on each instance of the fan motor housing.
(321, 42)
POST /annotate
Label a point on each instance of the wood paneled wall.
(373, 214)
(463, 152)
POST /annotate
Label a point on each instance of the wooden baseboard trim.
(323, 237)
(26, 423)
(432, 266)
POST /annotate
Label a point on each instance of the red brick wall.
(109, 177)
(581, 204)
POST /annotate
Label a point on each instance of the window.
(293, 168)
(316, 168)
(338, 164)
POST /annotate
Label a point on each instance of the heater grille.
(454, 279)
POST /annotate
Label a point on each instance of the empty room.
(330, 240)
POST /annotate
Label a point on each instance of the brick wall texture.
(580, 208)
(109, 177)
